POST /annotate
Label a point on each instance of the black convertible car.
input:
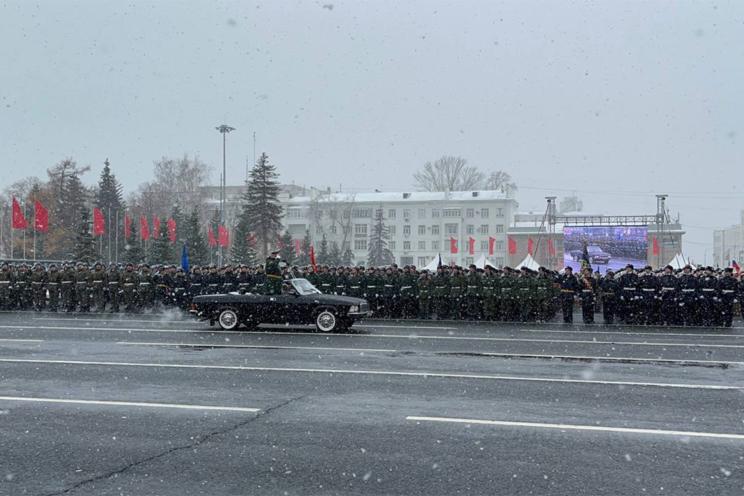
(299, 303)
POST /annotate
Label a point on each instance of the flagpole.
(116, 238)
(11, 235)
(23, 202)
(34, 237)
(108, 242)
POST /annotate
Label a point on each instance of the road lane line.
(256, 346)
(11, 340)
(596, 428)
(120, 321)
(443, 375)
(130, 403)
(629, 333)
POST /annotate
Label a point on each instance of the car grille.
(364, 307)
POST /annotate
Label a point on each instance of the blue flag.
(185, 257)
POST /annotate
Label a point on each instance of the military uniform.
(114, 288)
(23, 289)
(425, 286)
(727, 286)
(129, 281)
(54, 279)
(97, 283)
(274, 274)
(669, 285)
(609, 288)
(68, 280)
(569, 287)
(648, 284)
(588, 286)
(82, 288)
(145, 289)
(689, 298)
(39, 288)
(6, 287)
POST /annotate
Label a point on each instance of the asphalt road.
(162, 405)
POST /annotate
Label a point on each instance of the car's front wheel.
(228, 319)
(326, 321)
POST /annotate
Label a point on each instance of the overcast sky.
(613, 100)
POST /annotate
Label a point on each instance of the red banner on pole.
(41, 217)
(223, 236)
(297, 246)
(19, 220)
(172, 230)
(551, 248)
(99, 224)
(491, 245)
(210, 237)
(471, 246)
(512, 246)
(453, 246)
(312, 257)
(144, 228)
(655, 246)
(155, 227)
(127, 227)
(530, 246)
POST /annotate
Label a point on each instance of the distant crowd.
(690, 296)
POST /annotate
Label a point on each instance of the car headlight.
(354, 309)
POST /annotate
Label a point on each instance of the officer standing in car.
(273, 274)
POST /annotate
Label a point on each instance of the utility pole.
(660, 220)
(223, 129)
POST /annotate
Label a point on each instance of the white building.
(728, 244)
(421, 224)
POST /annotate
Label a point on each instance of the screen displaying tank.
(606, 247)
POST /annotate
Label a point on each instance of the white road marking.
(630, 333)
(443, 375)
(383, 336)
(130, 403)
(122, 321)
(596, 428)
(9, 340)
(249, 346)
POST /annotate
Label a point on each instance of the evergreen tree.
(243, 250)
(304, 257)
(287, 251)
(214, 224)
(194, 236)
(322, 256)
(334, 254)
(379, 253)
(133, 252)
(84, 250)
(261, 204)
(347, 257)
(161, 251)
(68, 196)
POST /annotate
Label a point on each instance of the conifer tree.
(133, 252)
(304, 257)
(322, 255)
(84, 250)
(379, 253)
(194, 236)
(287, 251)
(261, 205)
(161, 251)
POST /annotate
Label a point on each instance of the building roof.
(413, 196)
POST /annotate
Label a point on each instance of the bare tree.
(176, 181)
(570, 204)
(500, 181)
(448, 173)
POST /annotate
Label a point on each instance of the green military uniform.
(425, 286)
(474, 295)
(54, 280)
(39, 287)
(440, 294)
(82, 289)
(408, 294)
(6, 287)
(23, 291)
(273, 274)
(145, 289)
(97, 284)
(129, 285)
(67, 285)
(458, 285)
(113, 279)
(509, 299)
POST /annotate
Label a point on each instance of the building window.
(361, 213)
(333, 229)
(406, 260)
(318, 229)
(434, 213)
(422, 261)
(435, 245)
(360, 230)
(406, 213)
(421, 213)
(484, 213)
(469, 212)
(484, 245)
(499, 261)
(499, 246)
(360, 244)
(470, 229)
(483, 229)
(391, 230)
(294, 213)
(406, 230)
(391, 213)
(435, 230)
(499, 212)
(391, 245)
(421, 230)
(451, 228)
(451, 212)
(499, 228)
(422, 245)
(406, 245)
(468, 260)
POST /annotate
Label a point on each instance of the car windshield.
(304, 287)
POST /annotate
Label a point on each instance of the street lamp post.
(224, 129)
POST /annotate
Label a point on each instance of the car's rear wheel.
(228, 319)
(326, 321)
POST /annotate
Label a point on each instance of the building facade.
(728, 244)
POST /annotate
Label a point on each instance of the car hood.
(335, 299)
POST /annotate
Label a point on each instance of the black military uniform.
(628, 308)
(708, 297)
(648, 284)
(727, 286)
(569, 287)
(689, 297)
(588, 292)
(669, 284)
(609, 288)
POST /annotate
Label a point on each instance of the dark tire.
(327, 321)
(228, 319)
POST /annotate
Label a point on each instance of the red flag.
(736, 267)
(471, 245)
(297, 246)
(99, 225)
(19, 221)
(223, 236)
(210, 237)
(512, 246)
(172, 230)
(551, 247)
(127, 227)
(144, 228)
(453, 245)
(41, 217)
(655, 247)
(491, 244)
(155, 227)
(530, 246)
(312, 257)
